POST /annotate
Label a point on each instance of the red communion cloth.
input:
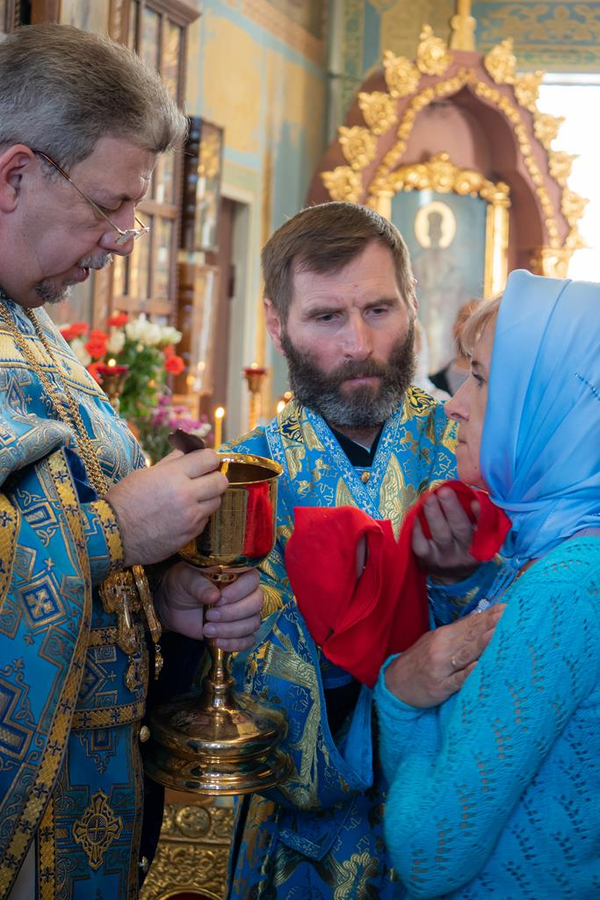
(360, 622)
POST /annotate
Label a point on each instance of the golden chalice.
(218, 742)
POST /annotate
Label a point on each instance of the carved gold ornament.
(546, 127)
(441, 175)
(527, 88)
(433, 57)
(573, 206)
(560, 165)
(358, 145)
(401, 75)
(551, 261)
(574, 240)
(343, 183)
(501, 63)
(463, 28)
(192, 852)
(378, 109)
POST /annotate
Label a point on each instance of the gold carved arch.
(404, 79)
(441, 175)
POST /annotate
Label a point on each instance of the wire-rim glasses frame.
(124, 235)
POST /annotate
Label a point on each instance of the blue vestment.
(70, 766)
(319, 834)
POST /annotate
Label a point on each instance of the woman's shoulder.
(571, 570)
(579, 554)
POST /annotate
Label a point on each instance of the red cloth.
(359, 623)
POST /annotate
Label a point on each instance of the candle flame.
(219, 412)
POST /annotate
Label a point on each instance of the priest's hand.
(162, 508)
(188, 603)
(445, 555)
(439, 663)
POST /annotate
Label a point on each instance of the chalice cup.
(216, 741)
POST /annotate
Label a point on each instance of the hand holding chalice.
(217, 742)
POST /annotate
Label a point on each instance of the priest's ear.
(274, 324)
(15, 162)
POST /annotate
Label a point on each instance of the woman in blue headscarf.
(495, 792)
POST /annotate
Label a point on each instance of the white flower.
(136, 328)
(116, 342)
(78, 348)
(152, 334)
(170, 336)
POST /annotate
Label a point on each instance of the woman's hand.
(438, 664)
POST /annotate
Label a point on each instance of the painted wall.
(257, 68)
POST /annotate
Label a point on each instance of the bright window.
(577, 99)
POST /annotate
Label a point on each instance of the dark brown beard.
(364, 406)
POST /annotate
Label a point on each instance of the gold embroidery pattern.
(45, 777)
(97, 829)
(47, 855)
(84, 719)
(112, 533)
(9, 525)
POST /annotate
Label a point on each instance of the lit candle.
(112, 363)
(219, 416)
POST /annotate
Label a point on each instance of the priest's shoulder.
(254, 441)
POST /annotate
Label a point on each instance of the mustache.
(355, 368)
(95, 261)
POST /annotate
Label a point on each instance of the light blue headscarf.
(540, 450)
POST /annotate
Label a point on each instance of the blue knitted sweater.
(496, 793)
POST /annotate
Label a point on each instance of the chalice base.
(224, 751)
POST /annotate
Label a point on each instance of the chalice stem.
(217, 690)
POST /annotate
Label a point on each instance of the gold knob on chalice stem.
(219, 742)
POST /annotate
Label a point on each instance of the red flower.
(97, 335)
(96, 347)
(68, 333)
(77, 329)
(169, 351)
(174, 365)
(118, 320)
(80, 328)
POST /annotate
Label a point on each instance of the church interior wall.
(258, 69)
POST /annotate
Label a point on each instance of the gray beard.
(51, 293)
(362, 407)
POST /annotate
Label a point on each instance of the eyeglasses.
(124, 236)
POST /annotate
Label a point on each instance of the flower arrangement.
(164, 419)
(146, 348)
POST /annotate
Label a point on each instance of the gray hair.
(61, 89)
